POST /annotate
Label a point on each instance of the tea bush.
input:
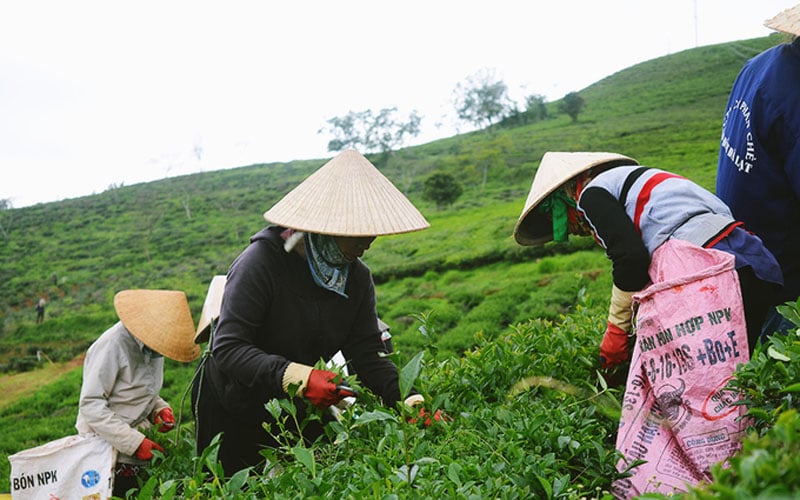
(529, 420)
(768, 466)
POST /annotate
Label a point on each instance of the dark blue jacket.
(758, 174)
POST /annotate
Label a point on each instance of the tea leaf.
(409, 374)
(774, 354)
(373, 416)
(305, 457)
(238, 480)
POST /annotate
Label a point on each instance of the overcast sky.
(101, 93)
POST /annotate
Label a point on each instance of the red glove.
(425, 417)
(321, 390)
(614, 347)
(145, 450)
(165, 419)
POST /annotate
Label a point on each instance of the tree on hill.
(536, 107)
(370, 133)
(442, 189)
(535, 110)
(6, 216)
(492, 155)
(482, 99)
(572, 105)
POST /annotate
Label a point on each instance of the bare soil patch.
(16, 385)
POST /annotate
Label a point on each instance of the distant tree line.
(481, 100)
(369, 132)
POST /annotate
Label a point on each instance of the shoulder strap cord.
(626, 186)
(198, 376)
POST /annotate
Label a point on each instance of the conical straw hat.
(161, 319)
(555, 169)
(788, 21)
(211, 307)
(347, 196)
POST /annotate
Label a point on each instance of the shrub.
(524, 425)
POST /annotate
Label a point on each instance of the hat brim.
(348, 196)
(161, 320)
(787, 21)
(556, 168)
(211, 307)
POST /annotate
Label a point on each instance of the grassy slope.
(177, 233)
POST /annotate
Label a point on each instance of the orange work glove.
(316, 385)
(321, 390)
(145, 450)
(614, 347)
(165, 420)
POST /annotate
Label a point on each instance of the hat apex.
(347, 196)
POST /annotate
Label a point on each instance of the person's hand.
(614, 347)
(145, 449)
(316, 385)
(321, 390)
(426, 418)
(165, 420)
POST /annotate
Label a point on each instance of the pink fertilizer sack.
(677, 414)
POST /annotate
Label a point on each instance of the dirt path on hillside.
(17, 385)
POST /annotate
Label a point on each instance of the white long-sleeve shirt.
(120, 391)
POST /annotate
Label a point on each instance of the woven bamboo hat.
(556, 168)
(161, 319)
(211, 307)
(787, 21)
(347, 196)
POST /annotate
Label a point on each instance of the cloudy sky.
(102, 93)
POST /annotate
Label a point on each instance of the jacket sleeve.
(615, 230)
(99, 376)
(248, 291)
(792, 155)
(160, 404)
(376, 372)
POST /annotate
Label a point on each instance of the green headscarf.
(557, 204)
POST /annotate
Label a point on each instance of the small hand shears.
(347, 388)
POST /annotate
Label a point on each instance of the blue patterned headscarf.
(328, 265)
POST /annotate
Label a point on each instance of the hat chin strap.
(149, 352)
(291, 239)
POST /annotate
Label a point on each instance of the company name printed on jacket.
(743, 160)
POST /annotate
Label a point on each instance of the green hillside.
(465, 275)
